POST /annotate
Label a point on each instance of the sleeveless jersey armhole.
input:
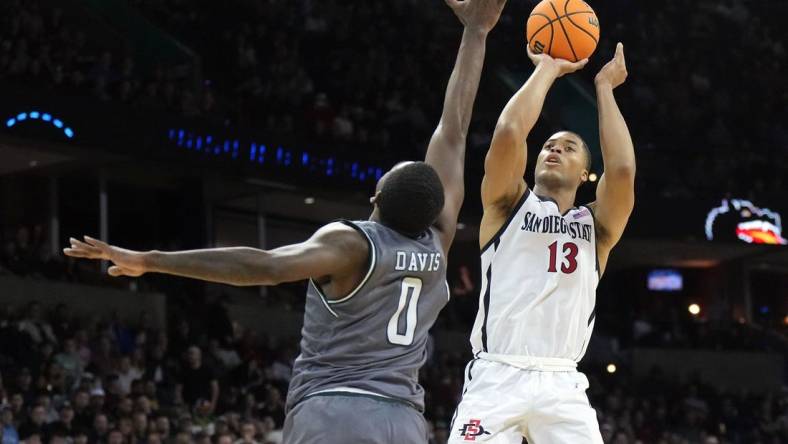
(509, 219)
(371, 262)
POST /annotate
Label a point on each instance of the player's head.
(409, 197)
(564, 161)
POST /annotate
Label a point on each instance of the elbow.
(258, 272)
(508, 132)
(451, 134)
(505, 127)
(271, 274)
(624, 171)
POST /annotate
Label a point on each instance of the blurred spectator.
(197, 381)
(127, 373)
(100, 427)
(36, 326)
(35, 425)
(9, 432)
(69, 360)
(248, 434)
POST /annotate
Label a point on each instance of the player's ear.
(584, 177)
(374, 198)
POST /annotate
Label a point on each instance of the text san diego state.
(556, 225)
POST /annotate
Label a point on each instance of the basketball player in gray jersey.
(375, 287)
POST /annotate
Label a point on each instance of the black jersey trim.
(486, 302)
(464, 391)
(596, 242)
(396, 401)
(470, 368)
(372, 261)
(550, 199)
(587, 340)
(509, 219)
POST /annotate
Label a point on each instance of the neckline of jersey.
(550, 199)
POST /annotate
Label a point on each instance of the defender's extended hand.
(561, 67)
(480, 15)
(614, 73)
(125, 262)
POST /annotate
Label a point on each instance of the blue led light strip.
(44, 117)
(281, 156)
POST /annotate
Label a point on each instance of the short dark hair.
(410, 198)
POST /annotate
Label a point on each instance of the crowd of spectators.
(316, 69)
(706, 95)
(27, 252)
(67, 378)
(703, 100)
(44, 47)
(350, 76)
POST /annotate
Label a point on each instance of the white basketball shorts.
(502, 404)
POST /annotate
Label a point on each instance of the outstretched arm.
(504, 165)
(615, 194)
(334, 250)
(446, 151)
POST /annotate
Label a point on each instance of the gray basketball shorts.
(335, 418)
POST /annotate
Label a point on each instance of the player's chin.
(552, 173)
(551, 177)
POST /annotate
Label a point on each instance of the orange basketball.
(564, 29)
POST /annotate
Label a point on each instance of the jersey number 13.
(568, 261)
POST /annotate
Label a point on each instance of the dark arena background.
(184, 124)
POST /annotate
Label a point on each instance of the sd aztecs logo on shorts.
(472, 429)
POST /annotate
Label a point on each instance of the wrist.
(603, 84)
(549, 67)
(150, 260)
(476, 31)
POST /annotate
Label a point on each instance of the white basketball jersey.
(539, 279)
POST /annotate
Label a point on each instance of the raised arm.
(504, 166)
(336, 250)
(446, 151)
(615, 194)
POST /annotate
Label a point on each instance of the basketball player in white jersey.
(542, 258)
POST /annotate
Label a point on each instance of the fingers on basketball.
(565, 29)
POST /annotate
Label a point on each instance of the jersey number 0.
(412, 286)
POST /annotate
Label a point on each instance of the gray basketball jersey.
(373, 341)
